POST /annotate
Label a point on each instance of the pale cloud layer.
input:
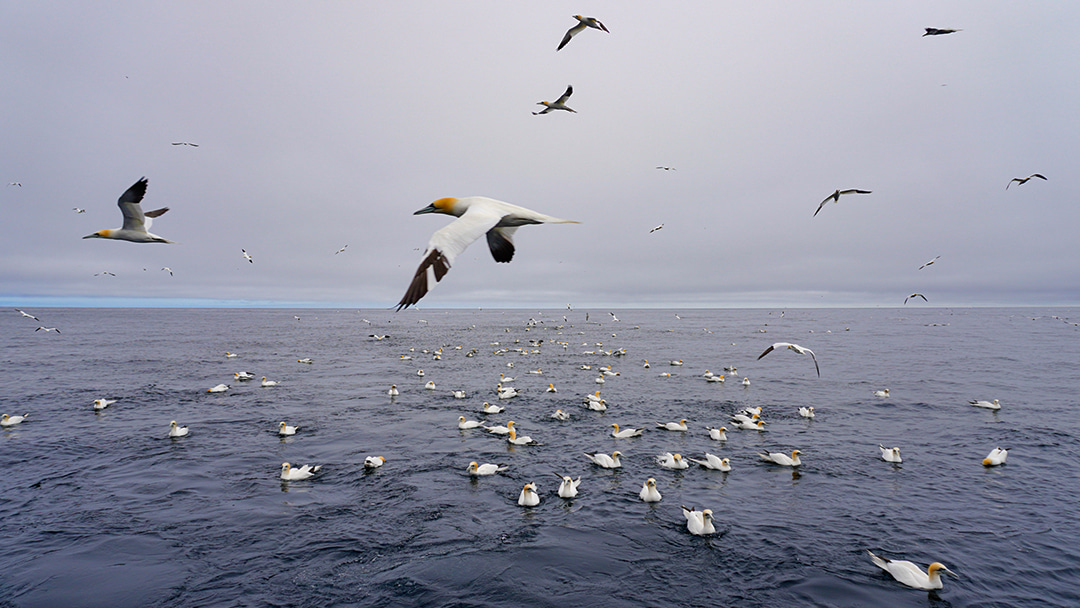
(326, 124)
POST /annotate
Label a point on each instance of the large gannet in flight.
(136, 221)
(580, 27)
(476, 215)
(558, 104)
(802, 350)
(835, 197)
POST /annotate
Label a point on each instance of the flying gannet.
(1023, 180)
(26, 314)
(136, 222)
(580, 27)
(476, 215)
(916, 295)
(795, 347)
(558, 104)
(930, 262)
(835, 197)
(933, 31)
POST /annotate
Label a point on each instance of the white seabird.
(284, 429)
(672, 461)
(267, 383)
(244, 376)
(288, 473)
(568, 487)
(996, 457)
(649, 493)
(6, 420)
(625, 433)
(393, 392)
(560, 415)
(806, 412)
(986, 404)
(26, 314)
(528, 496)
(699, 522)
(605, 461)
(522, 440)
(177, 431)
(930, 262)
(48, 329)
(464, 424)
(551, 389)
(477, 470)
(558, 104)
(835, 197)
(1023, 180)
(430, 385)
(782, 459)
(477, 216)
(374, 462)
(672, 426)
(136, 226)
(882, 393)
(247, 256)
(584, 22)
(717, 434)
(795, 347)
(100, 404)
(890, 454)
(220, 388)
(713, 462)
(911, 575)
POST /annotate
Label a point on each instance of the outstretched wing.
(129, 206)
(570, 33)
(446, 244)
(568, 93)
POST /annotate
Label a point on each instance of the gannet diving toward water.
(477, 215)
(136, 222)
(558, 104)
(580, 27)
(835, 197)
(795, 347)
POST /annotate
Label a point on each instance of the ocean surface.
(103, 509)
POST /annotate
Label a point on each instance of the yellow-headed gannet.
(672, 461)
(516, 440)
(649, 493)
(464, 424)
(374, 462)
(986, 404)
(672, 426)
(806, 412)
(484, 469)
(284, 429)
(995, 457)
(6, 420)
(568, 487)
(713, 462)
(911, 575)
(558, 104)
(100, 404)
(560, 415)
(288, 473)
(718, 434)
(782, 459)
(528, 496)
(605, 461)
(890, 454)
(584, 22)
(699, 522)
(267, 383)
(795, 347)
(835, 197)
(177, 431)
(882, 393)
(476, 215)
(625, 433)
(136, 222)
(220, 388)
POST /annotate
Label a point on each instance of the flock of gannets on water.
(477, 216)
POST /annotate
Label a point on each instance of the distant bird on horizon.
(136, 228)
(655, 229)
(77, 210)
(48, 329)
(1023, 180)
(104, 272)
(341, 250)
(15, 184)
(795, 347)
(929, 263)
(916, 295)
(835, 197)
(247, 257)
(933, 31)
(667, 168)
(580, 27)
(558, 104)
(26, 314)
(477, 215)
(185, 143)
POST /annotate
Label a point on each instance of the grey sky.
(326, 124)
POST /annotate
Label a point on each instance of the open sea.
(103, 509)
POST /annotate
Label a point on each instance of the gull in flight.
(26, 314)
(247, 257)
(169, 269)
(835, 196)
(911, 575)
(78, 210)
(933, 31)
(580, 27)
(15, 184)
(666, 168)
(655, 229)
(48, 329)
(930, 262)
(136, 226)
(477, 216)
(795, 347)
(916, 295)
(558, 104)
(341, 250)
(185, 143)
(1023, 180)
(103, 272)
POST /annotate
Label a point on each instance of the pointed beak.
(428, 209)
(91, 236)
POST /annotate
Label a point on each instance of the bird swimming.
(528, 496)
(713, 462)
(558, 104)
(625, 433)
(605, 461)
(267, 383)
(996, 457)
(136, 228)
(6, 420)
(177, 431)
(795, 347)
(580, 27)
(882, 393)
(568, 487)
(649, 493)
(484, 469)
(220, 388)
(699, 522)
(560, 415)
(1023, 180)
(288, 473)
(100, 404)
(890, 454)
(284, 429)
(806, 412)
(835, 197)
(782, 459)
(986, 404)
(717, 434)
(374, 462)
(672, 426)
(672, 461)
(911, 575)
(477, 216)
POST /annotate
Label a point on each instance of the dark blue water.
(102, 509)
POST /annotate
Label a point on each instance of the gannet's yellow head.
(472, 466)
(285, 466)
(282, 425)
(614, 425)
(616, 454)
(683, 422)
(100, 234)
(706, 514)
(510, 424)
(443, 205)
(936, 566)
(650, 482)
(795, 453)
(677, 457)
(172, 424)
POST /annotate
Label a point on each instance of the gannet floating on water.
(528, 496)
(995, 457)
(393, 392)
(625, 433)
(746, 425)
(835, 197)
(459, 394)
(551, 389)
(672, 461)
(267, 383)
(911, 575)
(558, 104)
(464, 424)
(649, 493)
(672, 426)
(746, 381)
(6, 420)
(177, 431)
(605, 461)
(284, 429)
(568, 487)
(699, 522)
(890, 454)
(580, 27)
(522, 440)
(430, 385)
(986, 404)
(882, 393)
(492, 409)
(560, 415)
(136, 222)
(477, 215)
(806, 412)
(374, 462)
(100, 404)
(229, 355)
(717, 434)
(795, 347)
(306, 360)
(220, 388)
(713, 462)
(288, 473)
(716, 378)
(244, 376)
(1023, 180)
(782, 459)
(484, 469)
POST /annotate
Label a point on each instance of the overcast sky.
(325, 124)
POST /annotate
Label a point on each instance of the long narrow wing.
(566, 95)
(501, 243)
(129, 206)
(445, 245)
(570, 33)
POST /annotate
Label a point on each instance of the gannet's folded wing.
(447, 243)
